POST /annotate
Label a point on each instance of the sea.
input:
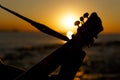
(25, 49)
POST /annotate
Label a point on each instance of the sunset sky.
(59, 15)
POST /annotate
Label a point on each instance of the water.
(25, 49)
(30, 46)
(17, 39)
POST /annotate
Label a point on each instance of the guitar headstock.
(89, 29)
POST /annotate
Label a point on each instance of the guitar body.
(70, 56)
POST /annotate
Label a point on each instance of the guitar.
(70, 55)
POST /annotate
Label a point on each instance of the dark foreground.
(102, 61)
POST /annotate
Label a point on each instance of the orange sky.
(55, 14)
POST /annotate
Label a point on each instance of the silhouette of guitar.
(71, 50)
(70, 54)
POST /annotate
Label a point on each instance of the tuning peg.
(77, 23)
(82, 19)
(86, 15)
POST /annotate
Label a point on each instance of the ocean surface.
(25, 49)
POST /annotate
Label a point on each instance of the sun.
(67, 21)
(67, 24)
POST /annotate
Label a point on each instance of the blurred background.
(22, 45)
